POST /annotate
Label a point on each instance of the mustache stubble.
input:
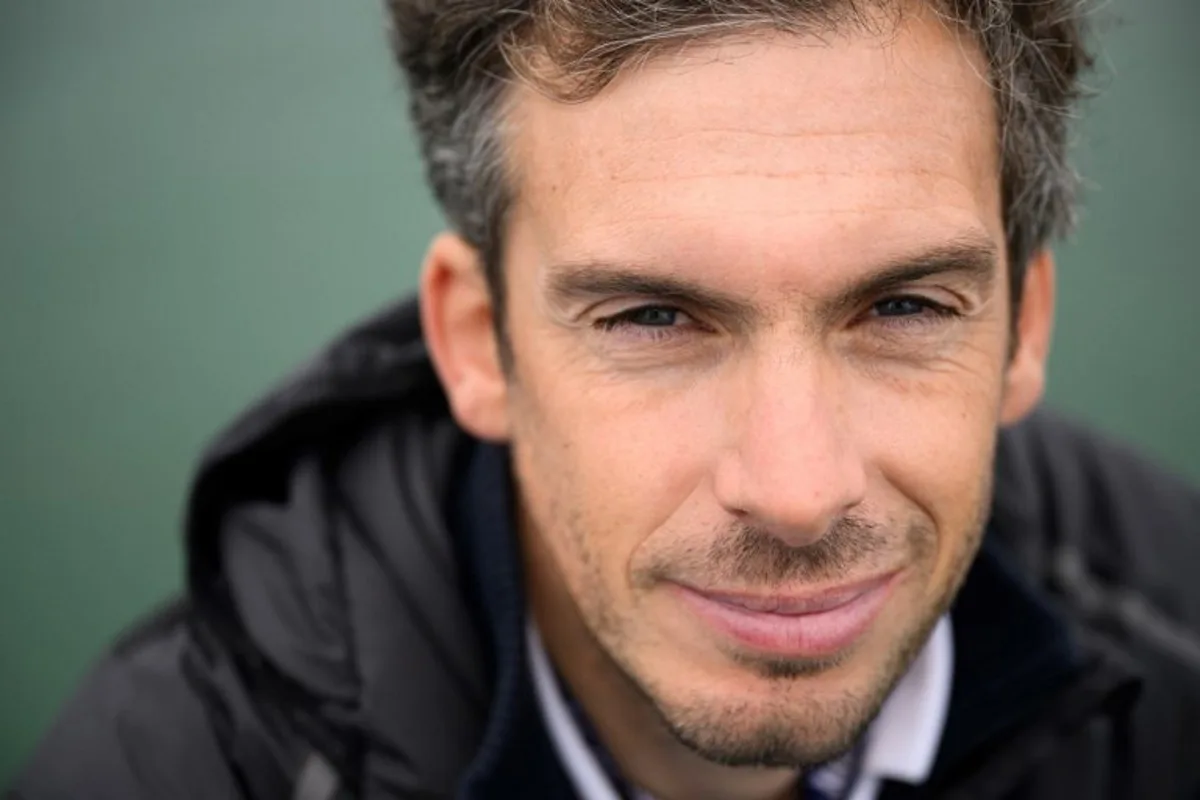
(747, 555)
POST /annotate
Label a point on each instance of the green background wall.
(194, 195)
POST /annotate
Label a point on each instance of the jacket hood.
(303, 592)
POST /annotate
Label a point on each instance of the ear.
(1025, 378)
(457, 321)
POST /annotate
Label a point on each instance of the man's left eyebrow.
(971, 260)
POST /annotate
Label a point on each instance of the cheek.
(604, 464)
(932, 442)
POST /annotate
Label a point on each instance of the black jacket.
(352, 625)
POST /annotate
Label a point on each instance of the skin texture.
(761, 344)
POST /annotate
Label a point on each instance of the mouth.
(816, 624)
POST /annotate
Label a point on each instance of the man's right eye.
(650, 316)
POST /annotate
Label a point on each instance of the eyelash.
(933, 312)
(626, 320)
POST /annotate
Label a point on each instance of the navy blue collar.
(516, 757)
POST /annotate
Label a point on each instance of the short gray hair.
(459, 55)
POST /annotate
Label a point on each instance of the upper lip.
(795, 603)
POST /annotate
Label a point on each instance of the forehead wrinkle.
(777, 175)
(914, 125)
(597, 169)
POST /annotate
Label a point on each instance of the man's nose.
(790, 465)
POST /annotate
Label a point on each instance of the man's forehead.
(759, 93)
(773, 131)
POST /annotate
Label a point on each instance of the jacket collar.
(516, 757)
(1013, 650)
(1025, 673)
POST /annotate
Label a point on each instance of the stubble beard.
(789, 736)
(782, 733)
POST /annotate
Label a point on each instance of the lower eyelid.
(626, 318)
(915, 324)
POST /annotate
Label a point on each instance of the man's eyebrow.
(571, 283)
(971, 258)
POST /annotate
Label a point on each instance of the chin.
(748, 709)
(766, 733)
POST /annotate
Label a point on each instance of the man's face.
(759, 320)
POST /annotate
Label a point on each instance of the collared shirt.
(900, 744)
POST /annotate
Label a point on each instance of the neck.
(627, 722)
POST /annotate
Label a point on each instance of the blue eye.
(910, 306)
(653, 316)
(644, 317)
(900, 307)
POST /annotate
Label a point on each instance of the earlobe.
(457, 322)
(1025, 378)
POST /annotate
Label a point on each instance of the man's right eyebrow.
(572, 283)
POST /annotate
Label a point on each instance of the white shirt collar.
(901, 743)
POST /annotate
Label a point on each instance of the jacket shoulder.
(135, 728)
(1115, 534)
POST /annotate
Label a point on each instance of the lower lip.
(819, 634)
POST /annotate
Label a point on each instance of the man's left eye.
(909, 306)
(649, 316)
